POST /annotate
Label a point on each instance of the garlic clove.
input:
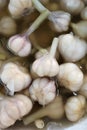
(60, 20)
(19, 8)
(75, 108)
(19, 45)
(80, 29)
(43, 90)
(72, 6)
(71, 47)
(8, 26)
(84, 13)
(70, 76)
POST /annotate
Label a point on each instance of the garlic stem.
(54, 47)
(29, 119)
(39, 6)
(37, 22)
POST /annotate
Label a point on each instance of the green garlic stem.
(39, 6)
(37, 22)
(54, 47)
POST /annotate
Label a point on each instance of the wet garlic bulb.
(47, 64)
(70, 76)
(72, 6)
(84, 13)
(8, 26)
(19, 45)
(14, 77)
(54, 110)
(18, 8)
(71, 47)
(80, 29)
(60, 20)
(13, 108)
(83, 89)
(43, 90)
(3, 3)
(75, 107)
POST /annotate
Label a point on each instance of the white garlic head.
(84, 13)
(60, 20)
(3, 3)
(71, 47)
(72, 6)
(19, 45)
(43, 90)
(14, 77)
(45, 66)
(75, 107)
(83, 89)
(70, 76)
(13, 108)
(18, 8)
(8, 26)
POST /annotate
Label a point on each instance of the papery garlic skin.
(70, 76)
(80, 29)
(45, 66)
(84, 13)
(18, 8)
(19, 45)
(43, 90)
(83, 89)
(8, 26)
(72, 48)
(60, 20)
(75, 108)
(72, 6)
(13, 108)
(3, 3)
(14, 77)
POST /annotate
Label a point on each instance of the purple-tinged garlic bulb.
(70, 76)
(13, 109)
(59, 20)
(47, 64)
(71, 47)
(8, 26)
(72, 6)
(3, 3)
(75, 108)
(19, 45)
(18, 8)
(84, 13)
(43, 90)
(14, 77)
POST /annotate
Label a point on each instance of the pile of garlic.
(49, 76)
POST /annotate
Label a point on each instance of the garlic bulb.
(83, 89)
(84, 13)
(75, 107)
(18, 8)
(72, 6)
(3, 3)
(80, 29)
(14, 77)
(71, 47)
(8, 26)
(43, 90)
(13, 108)
(70, 76)
(60, 20)
(19, 45)
(47, 64)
